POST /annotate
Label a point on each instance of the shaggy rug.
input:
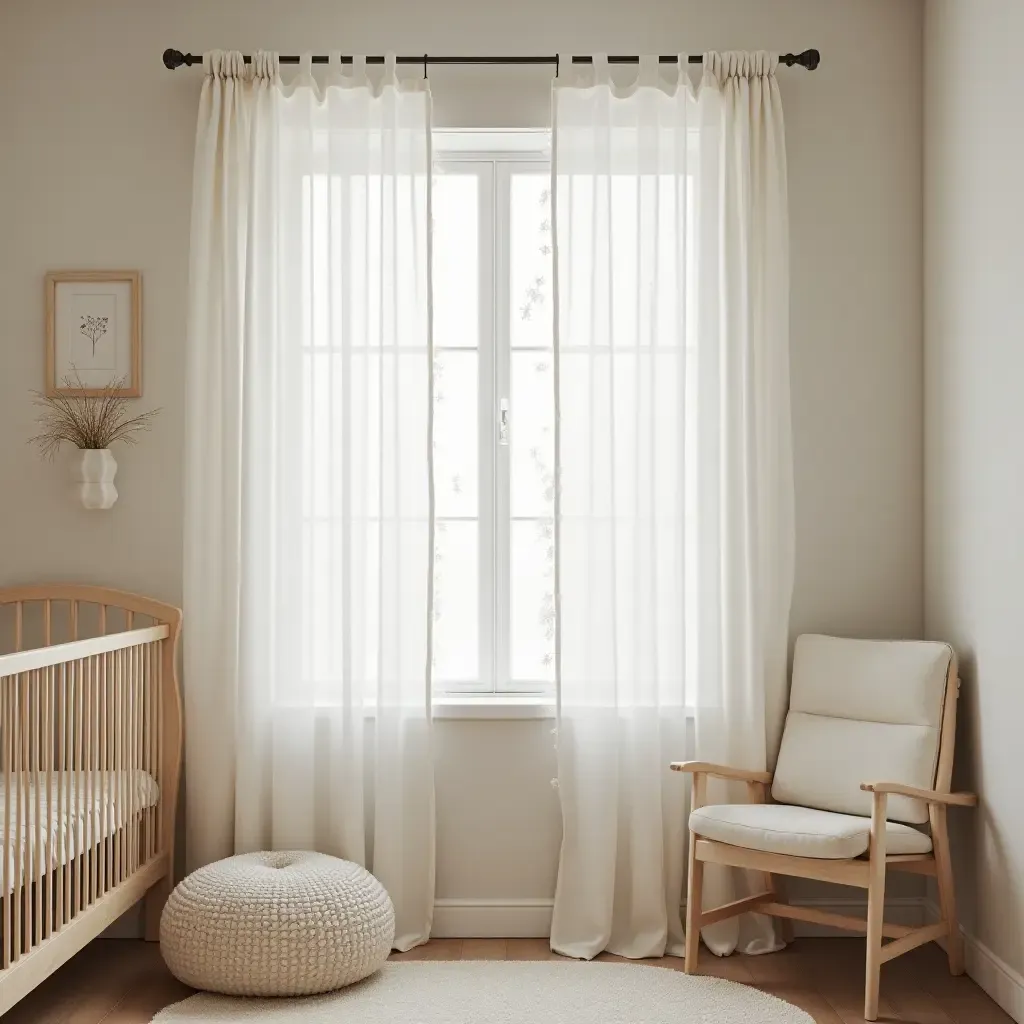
(506, 992)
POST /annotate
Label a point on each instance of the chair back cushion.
(862, 711)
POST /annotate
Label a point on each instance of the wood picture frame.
(93, 331)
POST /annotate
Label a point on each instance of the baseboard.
(492, 919)
(991, 972)
(531, 918)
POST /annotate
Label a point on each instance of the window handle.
(503, 422)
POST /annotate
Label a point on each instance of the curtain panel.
(674, 511)
(309, 508)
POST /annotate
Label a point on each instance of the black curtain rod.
(175, 59)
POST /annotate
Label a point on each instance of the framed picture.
(93, 331)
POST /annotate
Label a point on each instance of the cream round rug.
(506, 992)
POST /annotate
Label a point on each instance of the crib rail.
(90, 734)
(80, 727)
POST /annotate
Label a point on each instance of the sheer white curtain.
(674, 516)
(309, 502)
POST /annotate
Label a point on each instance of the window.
(493, 381)
(493, 414)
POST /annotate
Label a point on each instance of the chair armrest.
(928, 795)
(721, 771)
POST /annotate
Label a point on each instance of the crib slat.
(19, 822)
(105, 777)
(119, 733)
(48, 735)
(62, 774)
(144, 751)
(68, 821)
(114, 754)
(151, 747)
(137, 743)
(94, 825)
(6, 697)
(161, 778)
(86, 756)
(80, 785)
(111, 765)
(130, 772)
(38, 873)
(136, 737)
(29, 846)
(96, 776)
(122, 778)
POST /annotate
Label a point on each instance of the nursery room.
(509, 514)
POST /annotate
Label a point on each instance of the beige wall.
(974, 504)
(95, 171)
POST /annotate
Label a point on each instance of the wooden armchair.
(867, 753)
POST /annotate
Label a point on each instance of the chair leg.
(777, 884)
(947, 893)
(876, 907)
(694, 887)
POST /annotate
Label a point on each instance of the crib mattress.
(74, 820)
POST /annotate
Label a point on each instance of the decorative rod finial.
(175, 58)
(809, 59)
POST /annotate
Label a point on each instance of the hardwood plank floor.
(125, 982)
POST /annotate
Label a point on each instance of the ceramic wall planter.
(93, 471)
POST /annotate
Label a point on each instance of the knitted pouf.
(277, 924)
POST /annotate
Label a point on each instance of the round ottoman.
(277, 924)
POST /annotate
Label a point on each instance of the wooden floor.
(125, 982)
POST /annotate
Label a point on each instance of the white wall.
(95, 171)
(974, 504)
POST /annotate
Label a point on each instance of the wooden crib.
(90, 754)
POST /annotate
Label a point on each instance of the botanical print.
(93, 327)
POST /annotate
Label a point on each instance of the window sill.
(493, 708)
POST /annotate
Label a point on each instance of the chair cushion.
(800, 831)
(862, 711)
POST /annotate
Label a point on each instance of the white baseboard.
(531, 918)
(492, 919)
(991, 972)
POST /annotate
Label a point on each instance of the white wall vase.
(93, 470)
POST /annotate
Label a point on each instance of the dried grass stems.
(87, 421)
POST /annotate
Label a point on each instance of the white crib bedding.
(75, 816)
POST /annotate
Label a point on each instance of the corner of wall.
(993, 974)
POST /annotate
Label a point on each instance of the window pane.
(456, 256)
(530, 260)
(456, 602)
(532, 437)
(532, 637)
(456, 464)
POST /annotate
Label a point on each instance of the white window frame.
(493, 157)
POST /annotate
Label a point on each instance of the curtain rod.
(175, 59)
